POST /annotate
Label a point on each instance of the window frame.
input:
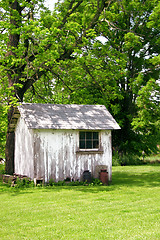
(88, 141)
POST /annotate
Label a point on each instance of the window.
(89, 140)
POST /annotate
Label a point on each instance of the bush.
(2, 168)
(25, 182)
(126, 160)
(95, 182)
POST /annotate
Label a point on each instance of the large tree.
(121, 70)
(33, 42)
(58, 57)
(129, 32)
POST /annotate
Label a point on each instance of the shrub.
(95, 182)
(25, 182)
(2, 168)
(126, 160)
(51, 182)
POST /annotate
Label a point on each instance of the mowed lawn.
(127, 209)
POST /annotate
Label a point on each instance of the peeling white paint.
(24, 149)
(53, 154)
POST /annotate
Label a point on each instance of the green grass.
(127, 209)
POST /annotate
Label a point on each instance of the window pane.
(95, 135)
(95, 144)
(82, 144)
(82, 135)
(88, 140)
(89, 144)
(89, 135)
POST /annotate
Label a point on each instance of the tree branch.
(70, 11)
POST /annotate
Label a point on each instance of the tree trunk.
(12, 43)
(9, 165)
(9, 152)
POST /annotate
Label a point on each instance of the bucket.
(87, 176)
(103, 176)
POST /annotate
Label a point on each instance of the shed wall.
(56, 155)
(23, 160)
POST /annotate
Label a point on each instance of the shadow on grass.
(138, 180)
(146, 179)
(120, 178)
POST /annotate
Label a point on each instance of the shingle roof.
(69, 116)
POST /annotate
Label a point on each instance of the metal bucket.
(87, 176)
(103, 176)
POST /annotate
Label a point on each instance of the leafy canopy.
(58, 57)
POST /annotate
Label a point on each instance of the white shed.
(62, 141)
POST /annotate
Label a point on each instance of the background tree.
(129, 33)
(120, 72)
(148, 118)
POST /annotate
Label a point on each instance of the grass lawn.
(127, 209)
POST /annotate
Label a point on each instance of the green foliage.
(2, 169)
(26, 182)
(59, 57)
(23, 183)
(131, 30)
(34, 43)
(126, 160)
(20, 183)
(147, 122)
(3, 129)
(95, 182)
(153, 159)
(115, 73)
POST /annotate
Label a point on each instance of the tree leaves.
(59, 57)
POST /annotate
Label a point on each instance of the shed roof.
(69, 116)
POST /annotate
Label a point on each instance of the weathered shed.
(62, 141)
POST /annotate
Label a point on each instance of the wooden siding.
(57, 156)
(23, 160)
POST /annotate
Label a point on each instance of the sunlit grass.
(127, 209)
